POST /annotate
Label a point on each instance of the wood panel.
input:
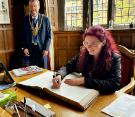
(61, 41)
(125, 37)
(6, 45)
(66, 45)
(7, 40)
(2, 43)
(3, 57)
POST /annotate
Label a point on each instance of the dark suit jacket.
(44, 34)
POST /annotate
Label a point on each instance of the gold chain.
(35, 29)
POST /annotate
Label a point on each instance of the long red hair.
(105, 58)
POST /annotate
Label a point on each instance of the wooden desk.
(3, 113)
(63, 109)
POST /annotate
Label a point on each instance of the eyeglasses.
(94, 44)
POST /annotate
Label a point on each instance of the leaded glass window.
(100, 8)
(124, 11)
(73, 14)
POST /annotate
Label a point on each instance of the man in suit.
(36, 36)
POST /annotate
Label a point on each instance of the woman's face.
(93, 45)
(34, 8)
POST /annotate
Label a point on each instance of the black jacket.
(107, 83)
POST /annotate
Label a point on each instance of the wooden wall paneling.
(66, 45)
(9, 39)
(125, 37)
(126, 40)
(75, 41)
(3, 57)
(9, 45)
(74, 45)
(2, 43)
(116, 38)
(61, 41)
(133, 41)
(2, 47)
(61, 58)
(60, 51)
(9, 54)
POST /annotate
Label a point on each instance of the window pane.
(73, 14)
(125, 11)
(100, 8)
(133, 3)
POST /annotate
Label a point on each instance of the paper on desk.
(123, 106)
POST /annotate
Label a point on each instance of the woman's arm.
(69, 67)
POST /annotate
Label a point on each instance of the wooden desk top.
(63, 109)
(4, 113)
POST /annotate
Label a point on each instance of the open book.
(26, 70)
(78, 96)
(123, 106)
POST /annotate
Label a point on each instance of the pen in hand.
(54, 76)
(56, 81)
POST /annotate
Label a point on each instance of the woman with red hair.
(99, 62)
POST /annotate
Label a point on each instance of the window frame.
(110, 13)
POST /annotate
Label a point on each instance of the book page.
(75, 93)
(123, 106)
(42, 80)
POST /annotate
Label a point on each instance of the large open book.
(78, 96)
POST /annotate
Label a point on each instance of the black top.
(105, 83)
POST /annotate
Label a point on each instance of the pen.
(55, 74)
(25, 112)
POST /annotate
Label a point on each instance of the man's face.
(34, 8)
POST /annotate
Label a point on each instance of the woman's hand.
(56, 82)
(75, 82)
